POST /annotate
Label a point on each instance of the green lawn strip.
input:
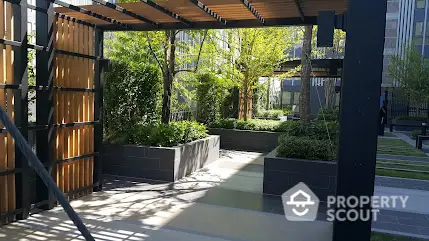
(420, 163)
(392, 142)
(401, 174)
(387, 237)
(415, 153)
(403, 166)
(388, 134)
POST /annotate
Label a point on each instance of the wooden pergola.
(69, 79)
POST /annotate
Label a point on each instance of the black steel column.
(360, 104)
(44, 105)
(98, 108)
(21, 105)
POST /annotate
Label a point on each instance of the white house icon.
(307, 197)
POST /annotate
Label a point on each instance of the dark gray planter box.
(409, 125)
(244, 140)
(281, 174)
(160, 163)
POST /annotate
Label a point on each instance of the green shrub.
(253, 124)
(167, 135)
(316, 130)
(328, 115)
(414, 118)
(271, 113)
(415, 133)
(131, 96)
(306, 148)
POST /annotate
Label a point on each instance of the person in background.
(382, 116)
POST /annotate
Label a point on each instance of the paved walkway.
(223, 202)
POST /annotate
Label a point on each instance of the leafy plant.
(305, 148)
(210, 93)
(132, 93)
(271, 113)
(318, 130)
(253, 124)
(160, 134)
(328, 114)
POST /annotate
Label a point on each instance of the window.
(287, 97)
(420, 3)
(419, 29)
(418, 41)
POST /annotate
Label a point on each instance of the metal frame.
(360, 99)
(299, 8)
(359, 103)
(125, 11)
(247, 4)
(207, 10)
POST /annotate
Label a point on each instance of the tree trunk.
(268, 93)
(330, 95)
(281, 94)
(245, 99)
(168, 75)
(304, 102)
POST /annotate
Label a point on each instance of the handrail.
(34, 162)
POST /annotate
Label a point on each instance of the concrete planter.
(410, 125)
(160, 163)
(244, 140)
(281, 174)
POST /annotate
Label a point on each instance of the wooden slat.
(3, 141)
(60, 102)
(10, 107)
(67, 39)
(90, 102)
(84, 84)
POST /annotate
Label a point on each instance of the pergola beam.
(208, 11)
(89, 13)
(253, 10)
(125, 11)
(166, 11)
(301, 12)
(216, 25)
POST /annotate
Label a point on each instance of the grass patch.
(392, 142)
(398, 147)
(387, 237)
(388, 134)
(403, 165)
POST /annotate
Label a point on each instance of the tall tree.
(160, 48)
(411, 73)
(251, 54)
(304, 98)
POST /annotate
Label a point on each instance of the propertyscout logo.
(301, 204)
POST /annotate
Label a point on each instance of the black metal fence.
(400, 105)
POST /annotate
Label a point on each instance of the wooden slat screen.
(74, 106)
(7, 147)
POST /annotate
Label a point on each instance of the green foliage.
(131, 96)
(328, 114)
(167, 135)
(414, 118)
(318, 130)
(254, 124)
(271, 113)
(411, 72)
(210, 94)
(305, 148)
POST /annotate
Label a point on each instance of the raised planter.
(160, 163)
(281, 174)
(245, 140)
(407, 125)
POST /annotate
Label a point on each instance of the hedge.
(306, 148)
(162, 135)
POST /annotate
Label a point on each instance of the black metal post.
(21, 105)
(360, 106)
(44, 105)
(98, 108)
